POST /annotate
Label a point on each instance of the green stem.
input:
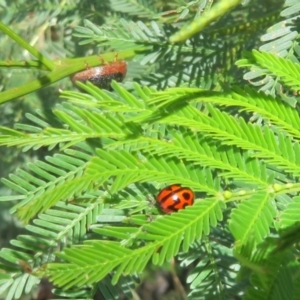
(204, 20)
(30, 64)
(64, 67)
(43, 60)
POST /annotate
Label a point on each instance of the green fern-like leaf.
(192, 224)
(273, 278)
(286, 70)
(128, 168)
(290, 216)
(141, 8)
(246, 221)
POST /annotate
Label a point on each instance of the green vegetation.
(210, 101)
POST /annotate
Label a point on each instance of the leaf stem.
(43, 60)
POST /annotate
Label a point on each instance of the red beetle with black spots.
(175, 197)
